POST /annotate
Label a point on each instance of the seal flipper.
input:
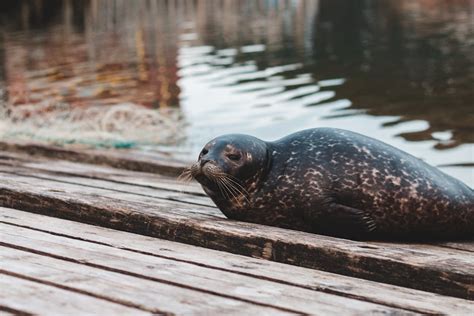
(342, 220)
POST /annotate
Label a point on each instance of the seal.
(333, 182)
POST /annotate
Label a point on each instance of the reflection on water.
(400, 71)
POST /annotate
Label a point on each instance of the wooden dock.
(104, 232)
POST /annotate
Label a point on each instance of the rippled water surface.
(401, 71)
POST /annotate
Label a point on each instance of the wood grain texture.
(40, 299)
(125, 159)
(466, 245)
(127, 189)
(182, 274)
(92, 171)
(388, 295)
(435, 269)
(155, 297)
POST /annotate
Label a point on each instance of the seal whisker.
(231, 190)
(229, 178)
(223, 191)
(223, 187)
(240, 186)
(231, 186)
(241, 191)
(236, 190)
(185, 176)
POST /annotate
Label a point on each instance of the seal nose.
(203, 161)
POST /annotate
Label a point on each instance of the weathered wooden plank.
(65, 188)
(239, 287)
(126, 159)
(438, 270)
(150, 180)
(125, 189)
(36, 298)
(389, 295)
(155, 297)
(466, 245)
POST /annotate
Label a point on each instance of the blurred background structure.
(170, 75)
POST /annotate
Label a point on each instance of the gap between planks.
(214, 282)
(78, 291)
(146, 295)
(30, 297)
(7, 311)
(219, 294)
(387, 295)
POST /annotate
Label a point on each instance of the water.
(399, 71)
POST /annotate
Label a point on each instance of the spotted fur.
(340, 183)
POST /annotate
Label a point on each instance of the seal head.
(230, 167)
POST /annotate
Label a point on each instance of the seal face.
(334, 182)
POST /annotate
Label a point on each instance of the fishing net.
(122, 125)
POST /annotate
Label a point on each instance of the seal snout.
(206, 168)
(202, 162)
(210, 169)
(195, 170)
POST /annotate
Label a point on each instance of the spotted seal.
(334, 182)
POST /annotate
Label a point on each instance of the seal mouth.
(213, 178)
(205, 173)
(208, 173)
(210, 170)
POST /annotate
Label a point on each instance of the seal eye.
(203, 152)
(234, 157)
